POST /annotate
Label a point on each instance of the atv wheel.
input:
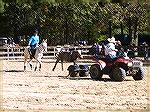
(139, 75)
(96, 72)
(111, 76)
(118, 74)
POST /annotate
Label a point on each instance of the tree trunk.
(66, 31)
(110, 29)
(121, 26)
(130, 30)
(136, 32)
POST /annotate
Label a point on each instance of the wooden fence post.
(7, 53)
(54, 51)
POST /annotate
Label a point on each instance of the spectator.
(146, 50)
(121, 51)
(95, 50)
(131, 51)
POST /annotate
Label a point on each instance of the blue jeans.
(32, 50)
(145, 55)
(109, 58)
(96, 56)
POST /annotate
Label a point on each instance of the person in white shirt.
(110, 50)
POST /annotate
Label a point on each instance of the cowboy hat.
(112, 40)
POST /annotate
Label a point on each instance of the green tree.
(1, 6)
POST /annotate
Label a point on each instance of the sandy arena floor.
(49, 89)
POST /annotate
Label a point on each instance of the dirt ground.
(47, 89)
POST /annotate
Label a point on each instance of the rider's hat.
(35, 31)
(112, 40)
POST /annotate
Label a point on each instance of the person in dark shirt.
(146, 51)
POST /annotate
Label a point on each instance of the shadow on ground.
(81, 78)
(13, 70)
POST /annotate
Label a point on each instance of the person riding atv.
(113, 49)
(117, 65)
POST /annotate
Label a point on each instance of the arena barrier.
(15, 52)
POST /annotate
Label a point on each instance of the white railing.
(13, 52)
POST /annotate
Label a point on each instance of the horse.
(38, 55)
(67, 56)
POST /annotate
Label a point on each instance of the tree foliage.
(67, 21)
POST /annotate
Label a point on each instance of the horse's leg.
(55, 64)
(38, 61)
(40, 65)
(74, 62)
(30, 63)
(62, 65)
(36, 65)
(25, 63)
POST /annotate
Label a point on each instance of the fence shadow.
(78, 78)
(13, 70)
(88, 78)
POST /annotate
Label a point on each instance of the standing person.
(146, 48)
(120, 49)
(95, 50)
(131, 51)
(33, 43)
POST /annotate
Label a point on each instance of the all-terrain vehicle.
(117, 69)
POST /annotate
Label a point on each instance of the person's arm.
(30, 40)
(113, 48)
(38, 40)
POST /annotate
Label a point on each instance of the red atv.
(117, 69)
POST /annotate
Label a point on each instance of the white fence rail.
(14, 52)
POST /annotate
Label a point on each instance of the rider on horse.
(33, 43)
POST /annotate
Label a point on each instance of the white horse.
(38, 55)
